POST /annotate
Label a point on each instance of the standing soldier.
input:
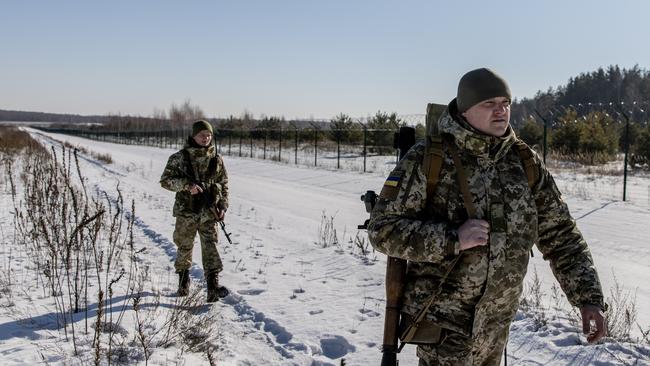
(198, 176)
(468, 239)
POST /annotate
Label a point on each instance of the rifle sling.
(190, 166)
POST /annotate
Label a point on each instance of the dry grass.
(14, 140)
(104, 158)
(74, 239)
(620, 317)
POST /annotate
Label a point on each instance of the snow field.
(294, 302)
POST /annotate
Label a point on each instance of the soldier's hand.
(195, 189)
(473, 233)
(221, 214)
(598, 329)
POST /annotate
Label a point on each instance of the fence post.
(295, 157)
(365, 144)
(280, 147)
(627, 149)
(338, 151)
(315, 146)
(265, 144)
(251, 135)
(241, 140)
(229, 142)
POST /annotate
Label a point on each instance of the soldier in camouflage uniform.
(479, 298)
(201, 201)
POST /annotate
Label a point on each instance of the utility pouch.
(424, 332)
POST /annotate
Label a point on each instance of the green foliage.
(566, 137)
(598, 134)
(604, 85)
(384, 121)
(633, 135)
(531, 132)
(589, 139)
(345, 130)
(641, 149)
(382, 128)
(269, 127)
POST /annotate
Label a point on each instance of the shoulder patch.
(391, 186)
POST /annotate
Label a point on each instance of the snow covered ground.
(294, 301)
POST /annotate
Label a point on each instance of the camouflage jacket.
(177, 176)
(484, 287)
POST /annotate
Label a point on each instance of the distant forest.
(22, 116)
(600, 88)
(610, 85)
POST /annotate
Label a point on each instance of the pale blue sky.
(300, 58)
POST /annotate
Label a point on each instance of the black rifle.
(226, 233)
(205, 198)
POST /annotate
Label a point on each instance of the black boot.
(215, 292)
(183, 283)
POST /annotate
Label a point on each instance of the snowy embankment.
(296, 302)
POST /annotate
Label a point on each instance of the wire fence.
(364, 150)
(597, 151)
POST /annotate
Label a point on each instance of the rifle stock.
(395, 279)
(389, 358)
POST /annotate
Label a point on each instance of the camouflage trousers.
(455, 349)
(184, 234)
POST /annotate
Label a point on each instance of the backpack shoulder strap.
(213, 164)
(528, 162)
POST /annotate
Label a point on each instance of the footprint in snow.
(253, 291)
(335, 346)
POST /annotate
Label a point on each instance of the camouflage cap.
(479, 85)
(201, 125)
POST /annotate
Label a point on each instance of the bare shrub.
(71, 238)
(327, 232)
(622, 312)
(362, 244)
(533, 301)
(104, 158)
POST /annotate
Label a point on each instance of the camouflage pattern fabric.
(480, 297)
(455, 349)
(184, 234)
(190, 216)
(176, 178)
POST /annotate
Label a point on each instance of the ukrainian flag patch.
(393, 181)
(391, 186)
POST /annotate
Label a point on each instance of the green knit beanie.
(201, 125)
(479, 85)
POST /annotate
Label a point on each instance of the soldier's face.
(203, 138)
(490, 116)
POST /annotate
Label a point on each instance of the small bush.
(622, 312)
(641, 149)
(591, 139)
(531, 132)
(105, 158)
(327, 232)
